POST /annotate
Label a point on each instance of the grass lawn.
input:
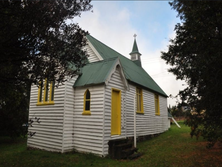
(172, 148)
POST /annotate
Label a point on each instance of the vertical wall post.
(135, 121)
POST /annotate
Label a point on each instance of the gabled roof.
(132, 72)
(98, 72)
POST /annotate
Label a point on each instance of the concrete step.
(124, 146)
(122, 149)
(126, 153)
(117, 142)
(134, 156)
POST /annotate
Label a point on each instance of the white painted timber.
(147, 123)
(117, 83)
(64, 128)
(176, 122)
(49, 131)
(93, 54)
(88, 129)
(54, 132)
(68, 118)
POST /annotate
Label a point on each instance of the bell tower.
(135, 54)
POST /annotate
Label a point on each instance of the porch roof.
(96, 73)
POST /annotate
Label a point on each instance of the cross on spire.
(134, 36)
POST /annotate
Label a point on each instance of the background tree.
(36, 42)
(13, 109)
(196, 57)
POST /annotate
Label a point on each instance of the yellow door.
(116, 112)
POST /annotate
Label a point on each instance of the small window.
(157, 106)
(87, 100)
(139, 100)
(46, 93)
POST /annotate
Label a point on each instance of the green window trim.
(157, 104)
(139, 101)
(87, 103)
(48, 94)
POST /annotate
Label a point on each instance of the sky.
(114, 23)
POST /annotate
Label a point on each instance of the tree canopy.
(196, 57)
(36, 42)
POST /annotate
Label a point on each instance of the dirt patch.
(199, 155)
(213, 155)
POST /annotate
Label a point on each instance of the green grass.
(172, 148)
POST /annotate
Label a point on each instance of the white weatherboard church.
(98, 105)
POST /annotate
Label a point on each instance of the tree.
(36, 42)
(196, 57)
(14, 102)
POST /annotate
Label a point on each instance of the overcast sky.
(115, 22)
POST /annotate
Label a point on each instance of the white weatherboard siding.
(49, 132)
(92, 53)
(144, 121)
(88, 129)
(147, 123)
(129, 99)
(117, 83)
(163, 113)
(54, 132)
(68, 117)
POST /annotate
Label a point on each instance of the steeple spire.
(135, 54)
(135, 48)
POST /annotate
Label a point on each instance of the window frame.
(86, 112)
(139, 100)
(46, 93)
(157, 104)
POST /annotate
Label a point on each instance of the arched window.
(87, 99)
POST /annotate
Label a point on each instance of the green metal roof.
(137, 62)
(132, 72)
(96, 73)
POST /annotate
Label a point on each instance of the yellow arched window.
(46, 93)
(87, 100)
